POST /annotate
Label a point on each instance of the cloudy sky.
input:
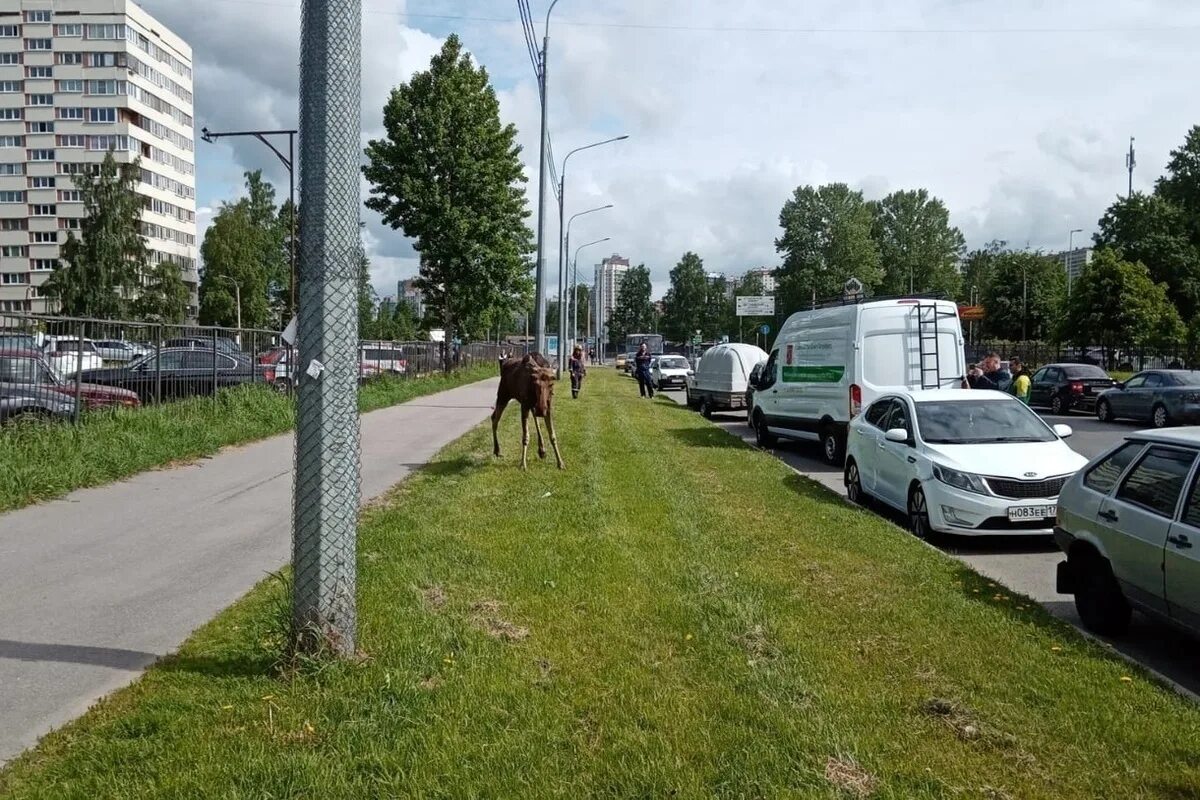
(1017, 114)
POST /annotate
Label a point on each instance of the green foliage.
(685, 304)
(634, 313)
(1115, 303)
(449, 175)
(826, 241)
(99, 272)
(391, 322)
(280, 288)
(163, 297)
(718, 319)
(1024, 296)
(918, 246)
(243, 248)
(1181, 185)
(978, 268)
(366, 294)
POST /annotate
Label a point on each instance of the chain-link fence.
(1175, 355)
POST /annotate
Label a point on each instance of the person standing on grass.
(641, 371)
(577, 370)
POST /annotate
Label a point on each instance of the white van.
(722, 377)
(831, 362)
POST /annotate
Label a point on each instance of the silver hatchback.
(1129, 523)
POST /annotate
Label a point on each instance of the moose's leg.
(524, 437)
(553, 438)
(497, 413)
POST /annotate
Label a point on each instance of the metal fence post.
(78, 372)
(158, 340)
(326, 492)
(214, 363)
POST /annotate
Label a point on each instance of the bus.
(653, 342)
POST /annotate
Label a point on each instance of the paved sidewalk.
(96, 586)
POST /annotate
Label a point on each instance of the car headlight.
(959, 480)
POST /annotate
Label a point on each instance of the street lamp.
(575, 280)
(1070, 252)
(562, 204)
(289, 164)
(539, 299)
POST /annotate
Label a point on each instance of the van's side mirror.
(897, 435)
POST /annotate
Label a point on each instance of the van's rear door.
(890, 338)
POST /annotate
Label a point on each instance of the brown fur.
(530, 381)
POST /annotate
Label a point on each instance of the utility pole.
(1130, 163)
(540, 294)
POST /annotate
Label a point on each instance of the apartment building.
(609, 274)
(79, 78)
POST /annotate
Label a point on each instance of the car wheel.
(854, 490)
(1159, 417)
(1098, 599)
(831, 446)
(1057, 406)
(705, 408)
(687, 397)
(1104, 411)
(283, 385)
(762, 436)
(918, 516)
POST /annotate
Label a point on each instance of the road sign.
(765, 330)
(852, 287)
(696, 340)
(756, 306)
(551, 345)
(970, 313)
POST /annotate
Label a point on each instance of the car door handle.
(912, 460)
(1111, 516)
(1180, 541)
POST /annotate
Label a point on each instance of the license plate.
(1027, 513)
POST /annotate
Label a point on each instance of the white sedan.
(669, 372)
(960, 461)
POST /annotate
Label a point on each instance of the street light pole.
(289, 163)
(562, 205)
(540, 292)
(1070, 253)
(574, 300)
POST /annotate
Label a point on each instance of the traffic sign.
(970, 313)
(763, 306)
(765, 330)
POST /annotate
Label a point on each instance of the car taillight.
(269, 375)
(1076, 387)
(855, 400)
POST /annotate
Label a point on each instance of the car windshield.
(20, 341)
(25, 370)
(672, 363)
(1084, 371)
(980, 422)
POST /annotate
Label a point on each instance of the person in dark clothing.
(577, 370)
(992, 377)
(641, 371)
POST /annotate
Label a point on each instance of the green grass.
(675, 615)
(39, 462)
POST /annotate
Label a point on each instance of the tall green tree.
(100, 269)
(718, 317)
(367, 299)
(1181, 185)
(1116, 304)
(826, 240)
(978, 268)
(684, 303)
(163, 296)
(1024, 296)
(281, 284)
(449, 175)
(633, 313)
(918, 247)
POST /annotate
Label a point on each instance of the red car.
(27, 368)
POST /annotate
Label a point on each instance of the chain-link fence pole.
(327, 456)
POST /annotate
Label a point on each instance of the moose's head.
(543, 390)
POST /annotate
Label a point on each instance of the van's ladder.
(928, 316)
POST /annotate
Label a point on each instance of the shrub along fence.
(1177, 355)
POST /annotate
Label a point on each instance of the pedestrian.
(577, 370)
(641, 371)
(1020, 380)
(992, 376)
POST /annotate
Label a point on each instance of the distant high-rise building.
(609, 274)
(408, 294)
(767, 276)
(79, 78)
(1073, 261)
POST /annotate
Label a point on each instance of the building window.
(71, 140)
(100, 31)
(116, 142)
(12, 141)
(71, 30)
(10, 31)
(14, 305)
(12, 197)
(14, 251)
(12, 113)
(39, 99)
(38, 44)
(39, 72)
(102, 115)
(41, 182)
(42, 210)
(21, 224)
(65, 168)
(106, 60)
(12, 87)
(70, 113)
(39, 127)
(41, 15)
(68, 223)
(14, 278)
(10, 59)
(39, 155)
(108, 87)
(70, 196)
(71, 86)
(42, 264)
(12, 169)
(69, 59)
(44, 237)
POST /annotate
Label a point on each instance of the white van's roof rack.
(859, 299)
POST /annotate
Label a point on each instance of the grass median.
(42, 461)
(676, 614)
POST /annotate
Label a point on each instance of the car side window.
(878, 412)
(1136, 382)
(1104, 476)
(1040, 375)
(899, 417)
(199, 359)
(1191, 511)
(767, 379)
(1153, 380)
(1156, 481)
(1054, 375)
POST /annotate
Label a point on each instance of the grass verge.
(674, 615)
(40, 462)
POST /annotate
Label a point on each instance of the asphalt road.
(1024, 564)
(98, 585)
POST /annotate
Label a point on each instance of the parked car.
(1163, 397)
(960, 461)
(630, 362)
(722, 377)
(1065, 387)
(181, 372)
(669, 372)
(119, 350)
(621, 362)
(383, 359)
(223, 344)
(25, 373)
(1129, 524)
(829, 363)
(10, 342)
(271, 355)
(69, 355)
(281, 377)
